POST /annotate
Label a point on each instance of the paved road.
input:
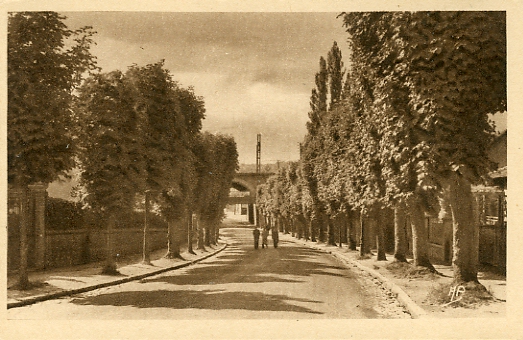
(290, 281)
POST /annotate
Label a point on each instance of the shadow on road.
(206, 299)
(240, 264)
(283, 264)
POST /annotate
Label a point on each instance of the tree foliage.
(45, 63)
(409, 125)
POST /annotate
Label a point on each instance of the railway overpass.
(246, 183)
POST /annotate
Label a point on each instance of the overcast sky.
(254, 70)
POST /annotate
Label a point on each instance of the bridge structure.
(246, 183)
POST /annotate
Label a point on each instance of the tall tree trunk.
(351, 238)
(200, 244)
(207, 234)
(275, 237)
(216, 233)
(306, 228)
(400, 235)
(342, 229)
(212, 233)
(302, 226)
(110, 258)
(420, 242)
(321, 225)
(465, 231)
(146, 249)
(190, 233)
(173, 239)
(343, 226)
(23, 277)
(331, 237)
(312, 228)
(364, 238)
(380, 236)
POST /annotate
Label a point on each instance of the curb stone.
(414, 310)
(39, 298)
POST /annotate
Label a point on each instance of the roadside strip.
(39, 298)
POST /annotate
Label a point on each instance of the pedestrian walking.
(256, 234)
(265, 236)
(275, 237)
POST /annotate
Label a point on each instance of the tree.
(110, 151)
(46, 61)
(178, 197)
(216, 164)
(173, 208)
(335, 72)
(449, 71)
(397, 151)
(161, 126)
(400, 235)
(321, 80)
(458, 77)
(227, 161)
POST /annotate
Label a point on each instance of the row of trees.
(135, 135)
(407, 130)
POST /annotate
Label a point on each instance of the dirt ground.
(427, 289)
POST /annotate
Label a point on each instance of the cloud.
(254, 70)
(278, 115)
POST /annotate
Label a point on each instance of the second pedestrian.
(265, 235)
(256, 234)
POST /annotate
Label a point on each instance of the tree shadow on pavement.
(257, 266)
(206, 299)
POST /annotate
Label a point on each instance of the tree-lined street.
(398, 174)
(290, 282)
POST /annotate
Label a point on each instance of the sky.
(255, 71)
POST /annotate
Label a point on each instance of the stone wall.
(76, 247)
(59, 248)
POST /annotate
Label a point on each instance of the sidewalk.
(59, 282)
(413, 292)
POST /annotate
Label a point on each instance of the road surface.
(290, 281)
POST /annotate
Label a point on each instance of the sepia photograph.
(263, 171)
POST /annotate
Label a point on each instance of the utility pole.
(258, 154)
(258, 170)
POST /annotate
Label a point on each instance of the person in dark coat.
(256, 234)
(275, 237)
(265, 235)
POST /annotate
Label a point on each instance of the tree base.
(407, 270)
(470, 294)
(173, 256)
(425, 264)
(27, 285)
(400, 258)
(363, 257)
(110, 270)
